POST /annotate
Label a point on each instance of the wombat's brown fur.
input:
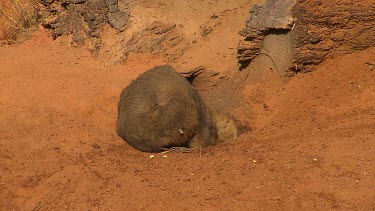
(161, 109)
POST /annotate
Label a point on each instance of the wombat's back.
(161, 109)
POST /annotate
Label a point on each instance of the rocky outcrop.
(326, 29)
(82, 18)
(157, 39)
(309, 31)
(274, 17)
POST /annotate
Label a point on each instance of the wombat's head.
(225, 126)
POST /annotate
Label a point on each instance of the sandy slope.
(311, 145)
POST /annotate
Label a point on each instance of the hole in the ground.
(192, 77)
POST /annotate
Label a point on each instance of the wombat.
(161, 109)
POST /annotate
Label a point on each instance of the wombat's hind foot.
(225, 126)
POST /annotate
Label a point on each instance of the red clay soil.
(312, 147)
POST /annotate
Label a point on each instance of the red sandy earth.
(313, 147)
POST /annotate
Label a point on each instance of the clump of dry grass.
(15, 17)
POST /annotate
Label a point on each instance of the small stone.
(113, 8)
(118, 20)
(79, 36)
(315, 39)
(96, 146)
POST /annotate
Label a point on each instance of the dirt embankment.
(310, 143)
(287, 36)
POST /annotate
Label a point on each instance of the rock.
(326, 29)
(118, 20)
(157, 39)
(82, 18)
(273, 17)
(113, 8)
(310, 31)
(79, 36)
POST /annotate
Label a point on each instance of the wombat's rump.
(161, 109)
